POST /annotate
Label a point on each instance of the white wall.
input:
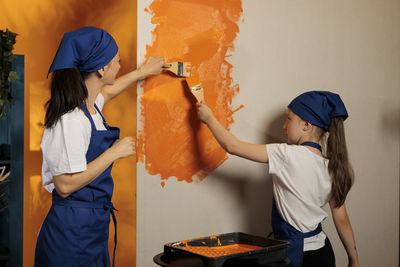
(285, 48)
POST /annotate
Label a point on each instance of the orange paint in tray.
(213, 247)
(217, 249)
(172, 142)
(220, 251)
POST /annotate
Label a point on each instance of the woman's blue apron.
(75, 231)
(284, 231)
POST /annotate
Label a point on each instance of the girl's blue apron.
(284, 231)
(75, 231)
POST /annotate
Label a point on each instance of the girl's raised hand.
(124, 147)
(153, 66)
(204, 112)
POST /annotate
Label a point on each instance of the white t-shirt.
(301, 186)
(64, 145)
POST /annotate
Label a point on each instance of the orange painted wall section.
(40, 25)
(172, 142)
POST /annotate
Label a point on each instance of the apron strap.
(111, 207)
(284, 231)
(104, 120)
(84, 108)
(312, 144)
(91, 205)
(115, 232)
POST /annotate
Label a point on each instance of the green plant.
(7, 75)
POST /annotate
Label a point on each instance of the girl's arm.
(228, 141)
(343, 227)
(66, 184)
(152, 66)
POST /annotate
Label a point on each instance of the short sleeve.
(65, 145)
(276, 156)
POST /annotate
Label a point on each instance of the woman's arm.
(343, 227)
(152, 66)
(66, 184)
(228, 141)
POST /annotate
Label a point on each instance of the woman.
(79, 148)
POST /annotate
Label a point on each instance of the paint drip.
(172, 141)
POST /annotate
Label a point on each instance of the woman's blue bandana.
(87, 48)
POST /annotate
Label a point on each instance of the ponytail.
(68, 91)
(339, 166)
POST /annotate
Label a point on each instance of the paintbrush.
(196, 88)
(180, 68)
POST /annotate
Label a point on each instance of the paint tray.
(266, 251)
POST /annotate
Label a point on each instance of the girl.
(79, 148)
(303, 179)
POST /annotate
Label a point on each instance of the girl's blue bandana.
(87, 48)
(318, 107)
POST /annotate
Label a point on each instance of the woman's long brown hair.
(68, 91)
(339, 166)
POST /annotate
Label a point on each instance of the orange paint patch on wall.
(172, 142)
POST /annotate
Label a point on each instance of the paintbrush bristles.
(180, 68)
(196, 88)
(198, 92)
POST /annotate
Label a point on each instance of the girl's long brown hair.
(339, 166)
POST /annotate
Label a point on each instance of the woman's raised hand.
(124, 147)
(204, 112)
(153, 66)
